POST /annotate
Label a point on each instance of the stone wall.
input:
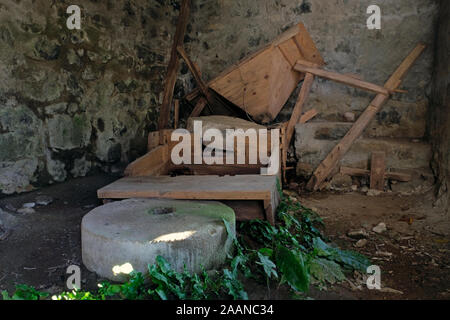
(74, 101)
(440, 109)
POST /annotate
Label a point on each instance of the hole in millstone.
(161, 210)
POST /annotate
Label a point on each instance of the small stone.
(383, 254)
(358, 234)
(354, 187)
(364, 189)
(361, 243)
(26, 211)
(29, 205)
(390, 290)
(341, 181)
(44, 200)
(380, 228)
(349, 117)
(374, 193)
(10, 207)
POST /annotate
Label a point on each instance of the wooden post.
(173, 66)
(297, 112)
(377, 168)
(198, 108)
(176, 116)
(330, 162)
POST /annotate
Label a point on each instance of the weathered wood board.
(243, 187)
(262, 83)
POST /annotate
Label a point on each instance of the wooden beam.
(402, 177)
(153, 163)
(201, 104)
(308, 115)
(297, 112)
(351, 81)
(176, 117)
(377, 168)
(173, 66)
(330, 162)
(195, 72)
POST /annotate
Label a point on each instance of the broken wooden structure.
(260, 85)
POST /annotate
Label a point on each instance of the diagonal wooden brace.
(333, 158)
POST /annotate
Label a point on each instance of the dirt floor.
(413, 253)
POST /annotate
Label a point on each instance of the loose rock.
(380, 228)
(374, 193)
(29, 205)
(26, 211)
(358, 234)
(361, 243)
(44, 200)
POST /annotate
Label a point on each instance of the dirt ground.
(413, 253)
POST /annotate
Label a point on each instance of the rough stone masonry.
(74, 101)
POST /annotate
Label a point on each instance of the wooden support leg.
(174, 63)
(378, 165)
(176, 114)
(330, 162)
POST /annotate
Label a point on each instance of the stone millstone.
(128, 235)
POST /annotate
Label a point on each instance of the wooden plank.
(201, 104)
(290, 51)
(262, 83)
(330, 162)
(402, 177)
(196, 73)
(173, 66)
(247, 210)
(308, 115)
(153, 140)
(245, 187)
(152, 163)
(351, 81)
(378, 166)
(297, 112)
(307, 47)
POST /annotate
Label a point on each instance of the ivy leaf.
(293, 268)
(323, 270)
(348, 259)
(268, 265)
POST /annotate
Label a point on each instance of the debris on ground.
(380, 228)
(44, 200)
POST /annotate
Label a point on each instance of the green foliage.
(293, 252)
(24, 292)
(325, 271)
(292, 265)
(349, 260)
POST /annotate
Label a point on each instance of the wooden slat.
(402, 177)
(330, 162)
(378, 165)
(152, 163)
(176, 117)
(308, 115)
(245, 187)
(173, 66)
(351, 81)
(201, 104)
(263, 82)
